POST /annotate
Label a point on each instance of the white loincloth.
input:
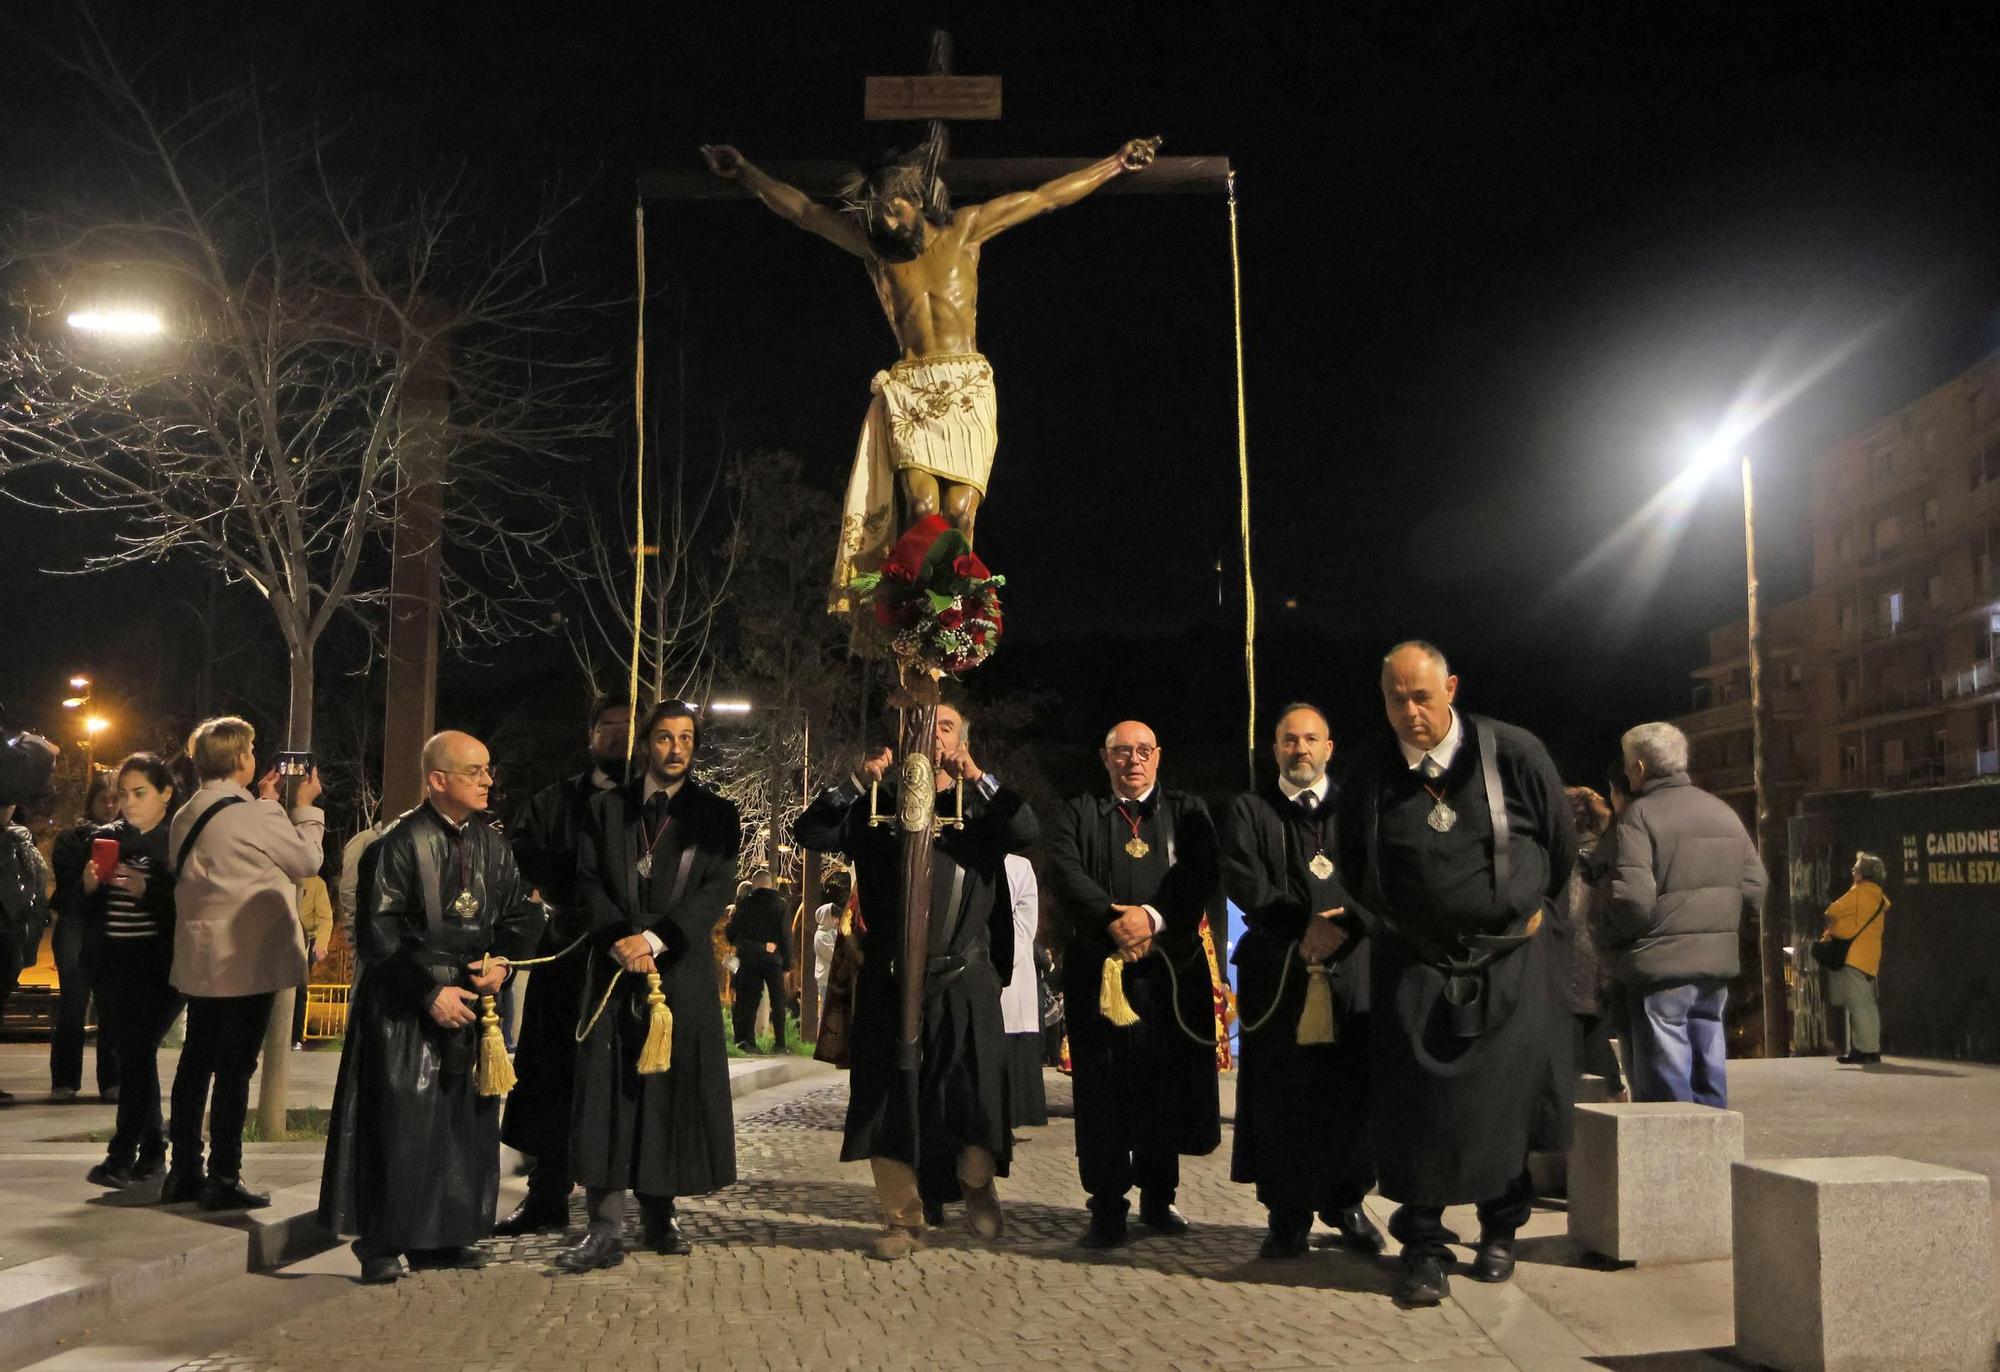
(936, 414)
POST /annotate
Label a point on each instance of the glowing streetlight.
(730, 707)
(79, 683)
(118, 323)
(96, 724)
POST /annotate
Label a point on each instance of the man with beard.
(1133, 871)
(537, 1118)
(1458, 839)
(654, 869)
(1301, 1109)
(931, 429)
(962, 1140)
(413, 1151)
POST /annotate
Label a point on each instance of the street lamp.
(1770, 949)
(92, 724)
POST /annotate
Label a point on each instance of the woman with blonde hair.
(1854, 928)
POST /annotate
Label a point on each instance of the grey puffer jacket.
(1685, 871)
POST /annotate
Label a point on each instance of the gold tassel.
(1316, 1020)
(658, 1053)
(495, 1076)
(1111, 1000)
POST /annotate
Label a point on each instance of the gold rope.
(639, 494)
(1243, 486)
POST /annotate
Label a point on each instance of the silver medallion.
(1442, 817)
(646, 865)
(466, 906)
(1321, 866)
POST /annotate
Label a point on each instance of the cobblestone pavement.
(778, 1279)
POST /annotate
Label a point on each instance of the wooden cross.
(936, 98)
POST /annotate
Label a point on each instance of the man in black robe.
(654, 870)
(413, 1151)
(1133, 870)
(962, 1140)
(1301, 1110)
(761, 936)
(1458, 840)
(544, 840)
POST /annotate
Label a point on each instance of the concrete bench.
(1550, 1171)
(1848, 1264)
(1649, 1183)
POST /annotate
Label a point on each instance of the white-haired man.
(1683, 872)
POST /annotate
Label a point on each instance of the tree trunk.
(275, 1086)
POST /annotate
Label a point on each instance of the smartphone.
(104, 857)
(294, 766)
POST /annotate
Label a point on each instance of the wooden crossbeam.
(970, 178)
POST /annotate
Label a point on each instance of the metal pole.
(1770, 951)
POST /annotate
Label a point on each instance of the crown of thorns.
(905, 177)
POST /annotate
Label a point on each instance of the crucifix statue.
(930, 432)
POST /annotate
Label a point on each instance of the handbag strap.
(194, 831)
(1872, 918)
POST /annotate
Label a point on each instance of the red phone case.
(104, 857)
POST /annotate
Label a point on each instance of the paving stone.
(778, 1277)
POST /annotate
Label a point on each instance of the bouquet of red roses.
(933, 603)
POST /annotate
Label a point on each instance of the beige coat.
(237, 930)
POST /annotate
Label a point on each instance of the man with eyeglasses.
(413, 1150)
(1301, 1109)
(1134, 869)
(655, 866)
(544, 841)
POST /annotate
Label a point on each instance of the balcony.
(1722, 780)
(1892, 697)
(1711, 716)
(1974, 681)
(1926, 771)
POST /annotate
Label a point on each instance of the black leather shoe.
(1422, 1281)
(1283, 1245)
(1357, 1231)
(1493, 1259)
(591, 1252)
(440, 1259)
(1850, 1059)
(668, 1239)
(148, 1166)
(381, 1269)
(1164, 1219)
(1869, 1059)
(535, 1215)
(181, 1187)
(1104, 1232)
(112, 1176)
(229, 1193)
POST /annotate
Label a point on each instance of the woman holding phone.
(130, 882)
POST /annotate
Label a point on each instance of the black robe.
(1147, 1087)
(1301, 1112)
(413, 1151)
(673, 1133)
(1459, 1098)
(961, 1089)
(544, 842)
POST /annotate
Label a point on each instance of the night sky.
(1504, 264)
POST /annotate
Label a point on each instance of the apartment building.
(1887, 674)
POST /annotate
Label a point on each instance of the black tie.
(1308, 803)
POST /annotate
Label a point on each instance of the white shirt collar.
(602, 780)
(654, 786)
(1292, 793)
(1139, 799)
(1446, 750)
